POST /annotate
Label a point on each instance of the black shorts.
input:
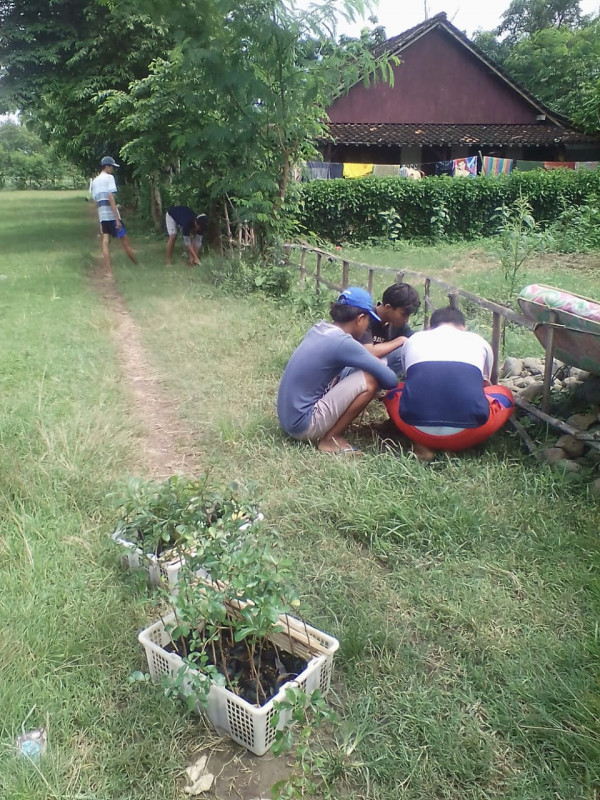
(110, 226)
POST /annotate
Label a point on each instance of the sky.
(467, 15)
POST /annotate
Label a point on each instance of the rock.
(552, 455)
(567, 465)
(526, 381)
(580, 374)
(511, 368)
(582, 421)
(573, 447)
(595, 488)
(532, 392)
(571, 383)
(533, 365)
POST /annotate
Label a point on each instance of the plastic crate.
(231, 715)
(159, 571)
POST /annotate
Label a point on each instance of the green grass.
(465, 594)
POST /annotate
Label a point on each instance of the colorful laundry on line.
(444, 168)
(357, 170)
(587, 164)
(497, 166)
(386, 170)
(527, 166)
(336, 170)
(559, 165)
(465, 167)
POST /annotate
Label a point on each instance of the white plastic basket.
(229, 714)
(159, 570)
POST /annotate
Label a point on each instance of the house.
(448, 101)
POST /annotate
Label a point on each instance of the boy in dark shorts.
(103, 189)
(385, 338)
(315, 403)
(192, 227)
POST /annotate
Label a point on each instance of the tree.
(59, 57)
(238, 101)
(527, 17)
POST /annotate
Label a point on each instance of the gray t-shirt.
(323, 353)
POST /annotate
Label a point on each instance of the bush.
(453, 208)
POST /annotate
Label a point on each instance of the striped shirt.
(102, 186)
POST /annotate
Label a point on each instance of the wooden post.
(318, 275)
(496, 327)
(453, 299)
(345, 273)
(548, 362)
(399, 277)
(370, 281)
(287, 249)
(303, 267)
(426, 304)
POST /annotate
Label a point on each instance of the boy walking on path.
(444, 402)
(103, 189)
(313, 403)
(192, 227)
(385, 338)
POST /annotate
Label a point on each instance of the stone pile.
(525, 378)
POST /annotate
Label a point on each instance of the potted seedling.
(161, 523)
(230, 648)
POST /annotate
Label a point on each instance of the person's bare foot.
(337, 445)
(423, 453)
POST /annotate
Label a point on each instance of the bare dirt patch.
(164, 450)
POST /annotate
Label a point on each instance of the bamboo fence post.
(318, 275)
(548, 362)
(426, 302)
(453, 299)
(345, 273)
(399, 277)
(496, 330)
(287, 249)
(370, 281)
(303, 267)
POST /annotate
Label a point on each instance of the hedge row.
(359, 210)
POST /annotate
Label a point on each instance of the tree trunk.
(156, 208)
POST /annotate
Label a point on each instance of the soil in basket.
(233, 660)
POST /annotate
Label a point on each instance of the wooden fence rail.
(453, 292)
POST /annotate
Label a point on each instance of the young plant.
(520, 239)
(224, 627)
(176, 514)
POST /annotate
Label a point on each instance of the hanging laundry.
(527, 166)
(357, 170)
(497, 166)
(559, 164)
(587, 164)
(444, 168)
(317, 170)
(336, 170)
(465, 167)
(410, 172)
(386, 170)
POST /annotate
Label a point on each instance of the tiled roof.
(403, 134)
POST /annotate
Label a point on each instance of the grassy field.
(465, 594)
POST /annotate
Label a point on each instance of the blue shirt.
(183, 216)
(323, 353)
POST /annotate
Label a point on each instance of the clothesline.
(468, 166)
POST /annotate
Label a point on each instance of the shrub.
(359, 210)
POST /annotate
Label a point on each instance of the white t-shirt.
(101, 187)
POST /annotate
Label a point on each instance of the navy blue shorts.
(110, 226)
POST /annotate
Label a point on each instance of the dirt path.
(164, 450)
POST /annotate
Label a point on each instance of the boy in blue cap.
(314, 403)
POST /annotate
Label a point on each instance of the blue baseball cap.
(359, 298)
(108, 161)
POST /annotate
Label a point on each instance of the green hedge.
(351, 210)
